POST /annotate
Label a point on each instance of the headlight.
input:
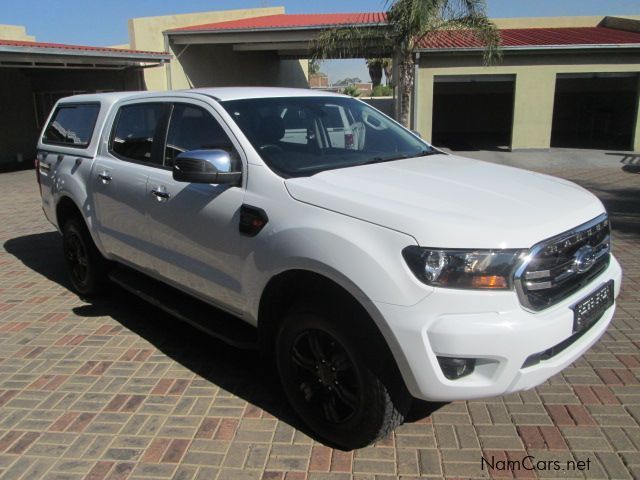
(487, 269)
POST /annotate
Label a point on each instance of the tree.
(375, 70)
(314, 66)
(387, 66)
(376, 66)
(408, 22)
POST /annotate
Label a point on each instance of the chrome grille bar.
(557, 267)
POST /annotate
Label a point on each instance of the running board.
(196, 313)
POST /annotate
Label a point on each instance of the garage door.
(473, 112)
(595, 111)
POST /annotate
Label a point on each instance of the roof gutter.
(142, 57)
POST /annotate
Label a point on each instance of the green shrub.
(382, 91)
(351, 90)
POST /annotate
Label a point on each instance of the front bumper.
(494, 329)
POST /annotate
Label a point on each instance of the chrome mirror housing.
(205, 166)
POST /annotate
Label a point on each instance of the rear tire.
(328, 378)
(86, 266)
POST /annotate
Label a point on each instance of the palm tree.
(375, 70)
(376, 67)
(387, 67)
(408, 22)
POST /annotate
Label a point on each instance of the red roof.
(82, 48)
(521, 37)
(535, 37)
(317, 20)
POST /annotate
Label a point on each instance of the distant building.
(318, 80)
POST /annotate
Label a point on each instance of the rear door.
(119, 179)
(194, 228)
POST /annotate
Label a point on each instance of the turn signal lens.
(489, 281)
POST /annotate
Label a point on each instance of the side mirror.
(416, 133)
(205, 166)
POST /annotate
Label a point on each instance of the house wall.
(535, 78)
(15, 32)
(534, 92)
(205, 65)
(145, 33)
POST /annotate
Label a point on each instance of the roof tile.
(292, 21)
(534, 37)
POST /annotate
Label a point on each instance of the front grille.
(559, 266)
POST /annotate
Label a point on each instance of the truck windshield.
(301, 136)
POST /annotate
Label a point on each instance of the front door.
(193, 228)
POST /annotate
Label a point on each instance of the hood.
(447, 201)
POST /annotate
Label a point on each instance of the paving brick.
(100, 470)
(341, 461)
(320, 459)
(613, 465)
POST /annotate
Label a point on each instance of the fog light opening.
(455, 368)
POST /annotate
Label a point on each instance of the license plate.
(589, 310)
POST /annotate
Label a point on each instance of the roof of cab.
(218, 93)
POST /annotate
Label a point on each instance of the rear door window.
(137, 133)
(72, 125)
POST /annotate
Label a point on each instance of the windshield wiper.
(400, 156)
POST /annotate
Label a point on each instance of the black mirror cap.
(199, 166)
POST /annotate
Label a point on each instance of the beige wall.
(221, 66)
(293, 73)
(121, 46)
(534, 89)
(15, 32)
(146, 34)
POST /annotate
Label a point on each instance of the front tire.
(86, 266)
(328, 378)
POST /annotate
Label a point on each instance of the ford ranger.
(371, 267)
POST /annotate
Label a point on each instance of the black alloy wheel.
(331, 377)
(77, 258)
(86, 266)
(326, 376)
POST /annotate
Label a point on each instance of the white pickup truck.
(373, 270)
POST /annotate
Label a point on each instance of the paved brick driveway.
(116, 389)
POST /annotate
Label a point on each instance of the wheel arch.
(65, 209)
(283, 289)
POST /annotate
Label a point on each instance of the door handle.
(160, 194)
(105, 177)
(45, 166)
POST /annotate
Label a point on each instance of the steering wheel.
(271, 147)
(373, 121)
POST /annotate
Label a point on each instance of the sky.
(100, 22)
